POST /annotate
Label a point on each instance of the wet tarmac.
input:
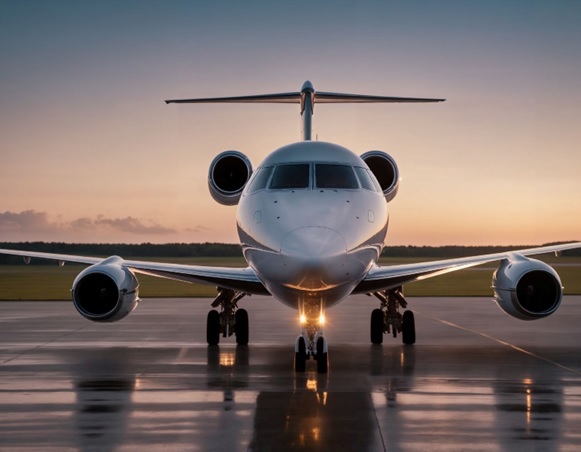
(475, 380)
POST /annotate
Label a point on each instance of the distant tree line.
(195, 250)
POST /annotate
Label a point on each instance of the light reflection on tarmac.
(475, 380)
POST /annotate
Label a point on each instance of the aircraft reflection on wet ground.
(72, 391)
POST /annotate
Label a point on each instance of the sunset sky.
(89, 152)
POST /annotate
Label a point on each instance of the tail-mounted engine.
(385, 170)
(106, 292)
(527, 289)
(228, 175)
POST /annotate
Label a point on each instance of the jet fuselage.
(312, 221)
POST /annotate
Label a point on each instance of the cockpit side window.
(290, 177)
(260, 179)
(335, 176)
(365, 179)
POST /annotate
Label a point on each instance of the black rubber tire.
(213, 328)
(408, 328)
(241, 328)
(301, 356)
(322, 358)
(377, 326)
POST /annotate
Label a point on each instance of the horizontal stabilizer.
(280, 98)
(342, 98)
(295, 98)
(307, 97)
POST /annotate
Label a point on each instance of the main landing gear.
(388, 319)
(311, 342)
(230, 320)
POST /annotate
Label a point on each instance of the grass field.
(29, 282)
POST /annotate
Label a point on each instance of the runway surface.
(475, 380)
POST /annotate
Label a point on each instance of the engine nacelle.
(527, 289)
(106, 292)
(228, 175)
(385, 170)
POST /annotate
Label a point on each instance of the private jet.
(312, 221)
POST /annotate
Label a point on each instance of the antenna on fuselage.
(307, 97)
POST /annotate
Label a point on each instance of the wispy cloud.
(28, 220)
(133, 225)
(32, 221)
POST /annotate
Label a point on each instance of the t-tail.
(307, 97)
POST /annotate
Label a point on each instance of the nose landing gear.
(230, 320)
(388, 319)
(312, 342)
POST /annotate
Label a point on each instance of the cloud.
(82, 223)
(31, 221)
(198, 228)
(27, 220)
(133, 225)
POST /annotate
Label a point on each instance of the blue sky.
(89, 151)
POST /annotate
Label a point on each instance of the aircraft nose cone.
(313, 258)
(313, 244)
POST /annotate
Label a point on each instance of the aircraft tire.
(301, 357)
(377, 326)
(213, 328)
(322, 358)
(408, 328)
(241, 327)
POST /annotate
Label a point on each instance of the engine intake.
(385, 170)
(229, 172)
(527, 289)
(106, 292)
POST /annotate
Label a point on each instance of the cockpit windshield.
(365, 179)
(260, 179)
(290, 177)
(335, 176)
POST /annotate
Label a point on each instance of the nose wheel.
(229, 320)
(388, 320)
(304, 350)
(312, 343)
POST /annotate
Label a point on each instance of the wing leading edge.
(383, 278)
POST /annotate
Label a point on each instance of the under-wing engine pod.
(527, 289)
(106, 292)
(385, 170)
(229, 172)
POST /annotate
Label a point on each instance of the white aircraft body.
(312, 221)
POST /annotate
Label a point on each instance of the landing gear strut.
(311, 342)
(229, 320)
(387, 319)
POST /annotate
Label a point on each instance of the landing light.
(303, 319)
(322, 319)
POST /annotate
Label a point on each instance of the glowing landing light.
(322, 319)
(303, 319)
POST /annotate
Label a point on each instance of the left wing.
(383, 278)
(239, 279)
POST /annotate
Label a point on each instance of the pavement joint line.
(42, 345)
(377, 422)
(501, 342)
